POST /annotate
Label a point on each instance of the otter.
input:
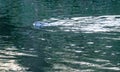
(40, 24)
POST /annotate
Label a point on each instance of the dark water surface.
(84, 36)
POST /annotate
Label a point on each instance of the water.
(83, 36)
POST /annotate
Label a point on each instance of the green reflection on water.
(25, 12)
(59, 48)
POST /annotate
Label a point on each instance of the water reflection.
(87, 44)
(89, 24)
(67, 45)
(8, 60)
(77, 40)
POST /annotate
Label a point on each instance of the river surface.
(82, 36)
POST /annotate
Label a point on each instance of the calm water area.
(83, 36)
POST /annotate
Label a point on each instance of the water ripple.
(105, 23)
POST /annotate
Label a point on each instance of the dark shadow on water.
(30, 41)
(25, 40)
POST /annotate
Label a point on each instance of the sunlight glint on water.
(68, 57)
(78, 44)
(79, 36)
(9, 62)
(89, 24)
